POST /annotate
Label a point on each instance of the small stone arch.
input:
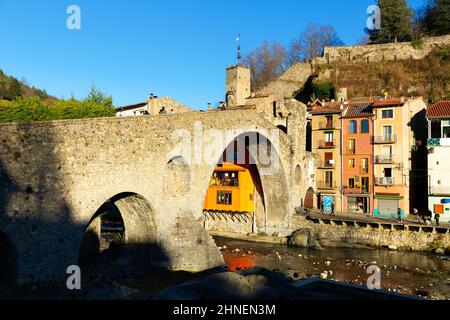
(138, 237)
(177, 177)
(9, 264)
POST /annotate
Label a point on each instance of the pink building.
(357, 158)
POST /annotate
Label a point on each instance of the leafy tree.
(311, 42)
(266, 63)
(436, 17)
(396, 22)
(98, 97)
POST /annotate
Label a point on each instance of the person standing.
(436, 217)
(322, 208)
(332, 209)
(399, 215)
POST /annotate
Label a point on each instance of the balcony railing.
(440, 190)
(386, 181)
(439, 142)
(356, 189)
(327, 125)
(385, 159)
(327, 144)
(351, 151)
(385, 139)
(329, 164)
(327, 185)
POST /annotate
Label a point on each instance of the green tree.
(98, 97)
(396, 22)
(436, 18)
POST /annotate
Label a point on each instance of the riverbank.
(414, 273)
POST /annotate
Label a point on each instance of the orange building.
(231, 189)
(357, 158)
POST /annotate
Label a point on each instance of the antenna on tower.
(238, 40)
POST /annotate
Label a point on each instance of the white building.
(438, 116)
(139, 109)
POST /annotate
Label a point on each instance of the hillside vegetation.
(429, 77)
(20, 103)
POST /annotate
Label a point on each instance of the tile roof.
(439, 110)
(131, 107)
(359, 110)
(388, 102)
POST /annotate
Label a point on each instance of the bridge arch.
(9, 260)
(269, 176)
(123, 223)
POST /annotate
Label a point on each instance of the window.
(329, 141)
(329, 178)
(353, 127)
(225, 179)
(329, 122)
(352, 146)
(224, 197)
(387, 133)
(365, 184)
(351, 163)
(365, 126)
(387, 114)
(388, 172)
(365, 165)
(351, 183)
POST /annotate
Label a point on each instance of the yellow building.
(231, 189)
(400, 174)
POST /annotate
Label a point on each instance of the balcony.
(356, 189)
(439, 142)
(326, 185)
(439, 190)
(386, 181)
(327, 125)
(351, 151)
(329, 164)
(386, 159)
(327, 144)
(388, 139)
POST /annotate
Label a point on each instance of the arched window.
(365, 126)
(353, 127)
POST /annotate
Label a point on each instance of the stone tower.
(237, 86)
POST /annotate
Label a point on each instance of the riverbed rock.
(249, 284)
(304, 238)
(440, 251)
(393, 248)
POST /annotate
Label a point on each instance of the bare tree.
(266, 63)
(311, 42)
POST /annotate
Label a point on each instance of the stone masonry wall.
(375, 235)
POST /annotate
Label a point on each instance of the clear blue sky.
(168, 47)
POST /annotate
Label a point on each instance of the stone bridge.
(55, 176)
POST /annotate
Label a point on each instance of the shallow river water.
(417, 273)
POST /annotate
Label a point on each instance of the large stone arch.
(274, 181)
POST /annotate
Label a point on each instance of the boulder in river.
(304, 238)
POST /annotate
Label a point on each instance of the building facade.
(326, 145)
(357, 158)
(438, 116)
(398, 151)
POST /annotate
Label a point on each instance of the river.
(423, 274)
